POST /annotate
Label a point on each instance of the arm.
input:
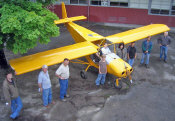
(40, 83)
(150, 47)
(6, 94)
(159, 41)
(135, 55)
(143, 47)
(40, 86)
(59, 76)
(169, 42)
(58, 73)
(99, 69)
(128, 52)
(135, 52)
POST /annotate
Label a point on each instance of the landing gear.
(118, 83)
(83, 74)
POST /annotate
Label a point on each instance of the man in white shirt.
(63, 74)
(105, 50)
(44, 84)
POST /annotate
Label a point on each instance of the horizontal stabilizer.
(71, 19)
(138, 33)
(51, 57)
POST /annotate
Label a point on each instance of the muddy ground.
(150, 98)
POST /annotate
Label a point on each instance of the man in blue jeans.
(131, 53)
(11, 95)
(102, 71)
(63, 74)
(44, 84)
(146, 49)
(164, 42)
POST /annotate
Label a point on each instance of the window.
(122, 3)
(65, 1)
(96, 2)
(161, 7)
(143, 4)
(82, 2)
(173, 8)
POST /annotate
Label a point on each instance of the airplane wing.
(71, 19)
(51, 57)
(138, 33)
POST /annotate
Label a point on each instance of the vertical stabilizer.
(64, 13)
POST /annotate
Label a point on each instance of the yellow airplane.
(86, 45)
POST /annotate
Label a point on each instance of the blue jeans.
(63, 87)
(16, 106)
(47, 96)
(131, 62)
(143, 58)
(163, 51)
(101, 77)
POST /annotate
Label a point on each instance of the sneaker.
(140, 64)
(53, 102)
(63, 100)
(47, 106)
(131, 81)
(160, 59)
(67, 96)
(146, 65)
(165, 61)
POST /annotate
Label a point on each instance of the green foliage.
(23, 24)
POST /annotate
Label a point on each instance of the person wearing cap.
(164, 41)
(63, 75)
(146, 49)
(11, 95)
(44, 84)
(131, 53)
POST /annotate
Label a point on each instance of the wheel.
(83, 74)
(119, 86)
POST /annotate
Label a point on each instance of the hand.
(146, 51)
(41, 89)
(61, 78)
(160, 44)
(99, 72)
(6, 104)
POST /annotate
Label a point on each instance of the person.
(105, 50)
(164, 41)
(102, 71)
(131, 53)
(97, 56)
(146, 49)
(122, 51)
(63, 74)
(44, 84)
(11, 95)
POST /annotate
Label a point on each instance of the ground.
(150, 98)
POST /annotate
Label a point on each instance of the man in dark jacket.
(131, 53)
(164, 42)
(146, 49)
(11, 95)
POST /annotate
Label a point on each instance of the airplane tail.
(65, 19)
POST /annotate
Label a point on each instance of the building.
(140, 12)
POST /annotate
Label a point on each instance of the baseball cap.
(44, 66)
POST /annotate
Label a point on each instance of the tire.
(119, 86)
(83, 74)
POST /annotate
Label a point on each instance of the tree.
(24, 23)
